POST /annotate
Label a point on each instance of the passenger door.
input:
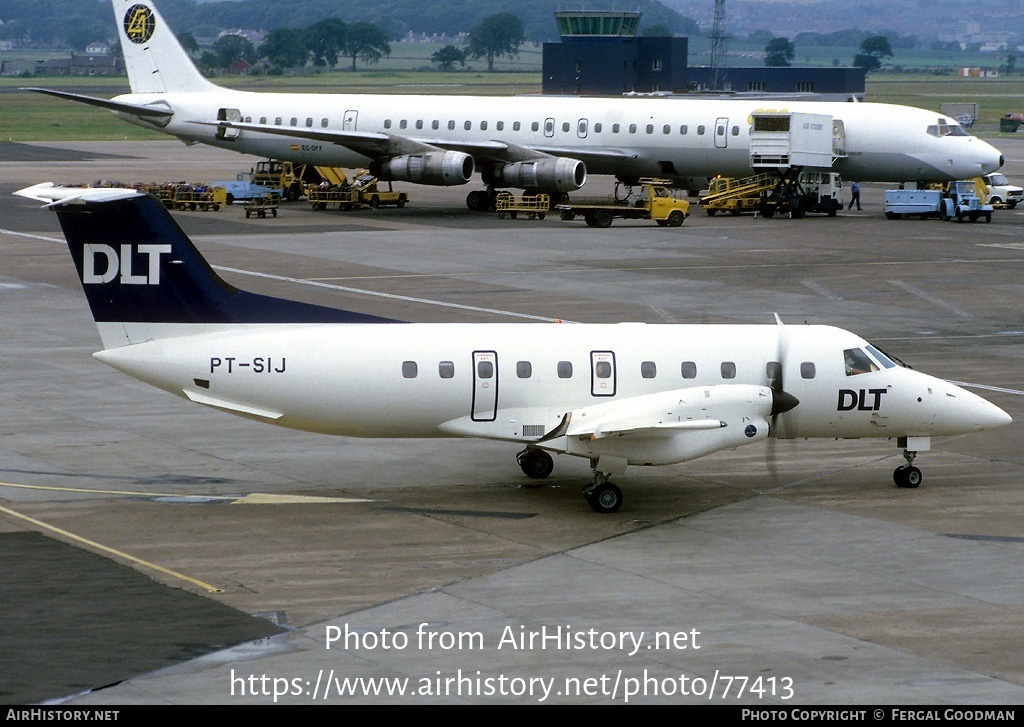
(485, 386)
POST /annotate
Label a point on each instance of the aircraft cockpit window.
(409, 369)
(945, 127)
(857, 362)
(446, 369)
(881, 358)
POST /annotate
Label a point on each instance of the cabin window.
(689, 370)
(295, 121)
(248, 119)
(435, 124)
(565, 369)
(277, 121)
(309, 122)
(323, 122)
(485, 369)
(500, 126)
(419, 123)
(534, 126)
(403, 124)
(666, 129)
(467, 125)
(597, 128)
(524, 369)
(263, 119)
(720, 130)
(650, 128)
(516, 126)
(735, 131)
(773, 370)
(615, 128)
(483, 126)
(648, 369)
(565, 126)
(451, 125)
(632, 128)
(409, 369)
(807, 370)
(683, 129)
(446, 369)
(549, 127)
(387, 123)
(728, 370)
(700, 130)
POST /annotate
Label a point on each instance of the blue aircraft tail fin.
(137, 266)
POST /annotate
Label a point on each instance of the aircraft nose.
(980, 413)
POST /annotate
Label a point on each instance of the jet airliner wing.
(157, 110)
(377, 144)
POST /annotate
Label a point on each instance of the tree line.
(324, 43)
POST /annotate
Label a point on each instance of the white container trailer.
(784, 140)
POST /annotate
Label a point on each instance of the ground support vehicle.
(346, 198)
(366, 186)
(534, 206)
(728, 194)
(199, 197)
(998, 191)
(292, 179)
(957, 200)
(262, 206)
(244, 187)
(798, 193)
(655, 202)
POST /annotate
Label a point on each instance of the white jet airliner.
(618, 395)
(546, 143)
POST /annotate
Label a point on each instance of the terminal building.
(600, 54)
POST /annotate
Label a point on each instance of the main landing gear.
(908, 475)
(601, 495)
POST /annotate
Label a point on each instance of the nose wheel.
(907, 476)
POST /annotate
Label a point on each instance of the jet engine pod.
(440, 168)
(551, 174)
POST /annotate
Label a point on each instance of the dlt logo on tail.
(123, 264)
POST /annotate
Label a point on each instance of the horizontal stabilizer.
(158, 110)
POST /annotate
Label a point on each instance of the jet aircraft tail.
(155, 60)
(144, 278)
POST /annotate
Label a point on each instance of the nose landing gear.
(908, 475)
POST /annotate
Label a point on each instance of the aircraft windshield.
(857, 362)
(946, 128)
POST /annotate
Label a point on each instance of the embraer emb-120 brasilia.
(543, 143)
(618, 395)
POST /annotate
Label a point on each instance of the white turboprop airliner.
(621, 394)
(546, 143)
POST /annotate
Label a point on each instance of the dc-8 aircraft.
(618, 395)
(544, 143)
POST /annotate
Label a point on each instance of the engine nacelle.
(550, 174)
(672, 426)
(440, 168)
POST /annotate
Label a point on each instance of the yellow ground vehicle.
(655, 201)
(366, 187)
(290, 179)
(534, 206)
(198, 197)
(263, 205)
(769, 194)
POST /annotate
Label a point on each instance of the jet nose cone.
(983, 414)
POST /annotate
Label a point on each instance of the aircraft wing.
(157, 110)
(372, 144)
(376, 145)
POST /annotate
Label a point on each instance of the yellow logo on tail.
(138, 24)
